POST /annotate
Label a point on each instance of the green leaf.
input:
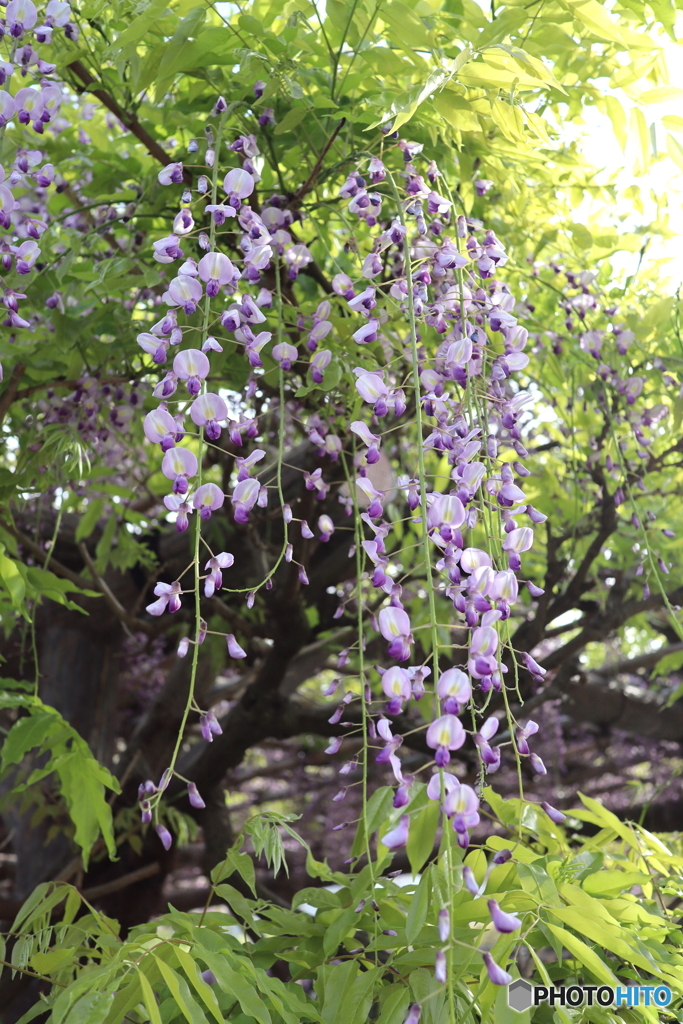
(457, 111)
(422, 836)
(406, 25)
(92, 1008)
(395, 1004)
(378, 810)
(52, 961)
(149, 999)
(12, 576)
(419, 908)
(596, 19)
(89, 519)
(584, 954)
(609, 883)
(27, 733)
(236, 985)
(139, 26)
(404, 107)
(180, 991)
(203, 989)
(291, 120)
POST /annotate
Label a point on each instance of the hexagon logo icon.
(519, 995)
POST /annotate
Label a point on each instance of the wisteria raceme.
(448, 371)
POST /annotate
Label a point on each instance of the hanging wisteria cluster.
(439, 271)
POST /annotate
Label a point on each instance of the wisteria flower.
(496, 974)
(168, 598)
(216, 270)
(183, 222)
(326, 527)
(285, 354)
(443, 735)
(207, 411)
(372, 389)
(373, 441)
(160, 428)
(175, 503)
(398, 836)
(489, 755)
(171, 174)
(462, 805)
(193, 367)
(207, 499)
(214, 581)
(319, 363)
(244, 497)
(522, 736)
(178, 465)
(185, 291)
(394, 625)
(454, 689)
(234, 649)
(396, 684)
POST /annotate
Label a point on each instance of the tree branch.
(10, 394)
(130, 122)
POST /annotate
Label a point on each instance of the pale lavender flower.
(537, 764)
(522, 735)
(167, 249)
(373, 441)
(440, 967)
(443, 735)
(326, 527)
(216, 269)
(375, 509)
(178, 464)
(285, 354)
(168, 598)
(454, 689)
(160, 428)
(193, 367)
(367, 334)
(496, 974)
(164, 835)
(239, 184)
(214, 581)
(396, 684)
(503, 922)
(557, 816)
(171, 174)
(156, 347)
(319, 363)
(206, 411)
(244, 497)
(210, 726)
(462, 804)
(343, 285)
(183, 647)
(183, 222)
(185, 291)
(234, 649)
(444, 923)
(489, 755)
(470, 881)
(175, 503)
(207, 499)
(394, 625)
(398, 836)
(194, 796)
(414, 1014)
